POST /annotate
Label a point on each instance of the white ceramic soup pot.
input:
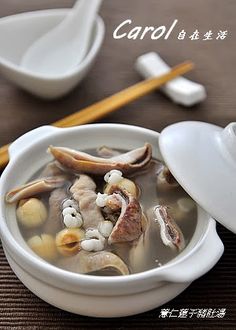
(98, 296)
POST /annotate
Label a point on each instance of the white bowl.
(93, 295)
(18, 32)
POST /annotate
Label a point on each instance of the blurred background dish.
(18, 32)
(63, 47)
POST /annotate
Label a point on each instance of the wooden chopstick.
(112, 103)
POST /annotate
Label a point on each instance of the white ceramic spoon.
(65, 46)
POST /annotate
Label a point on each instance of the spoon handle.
(83, 13)
(94, 4)
(112, 103)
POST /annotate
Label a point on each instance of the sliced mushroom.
(170, 232)
(34, 188)
(54, 222)
(83, 191)
(78, 161)
(165, 180)
(90, 262)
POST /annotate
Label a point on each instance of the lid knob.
(228, 138)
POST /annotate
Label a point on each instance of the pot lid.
(202, 158)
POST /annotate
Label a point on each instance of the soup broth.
(145, 218)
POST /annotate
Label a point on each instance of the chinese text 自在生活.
(205, 36)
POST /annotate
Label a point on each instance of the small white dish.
(98, 296)
(19, 31)
(63, 48)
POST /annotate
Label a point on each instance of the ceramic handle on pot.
(198, 261)
(28, 138)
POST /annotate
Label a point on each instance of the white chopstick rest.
(180, 90)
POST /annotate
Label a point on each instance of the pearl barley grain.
(71, 221)
(113, 177)
(105, 228)
(101, 199)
